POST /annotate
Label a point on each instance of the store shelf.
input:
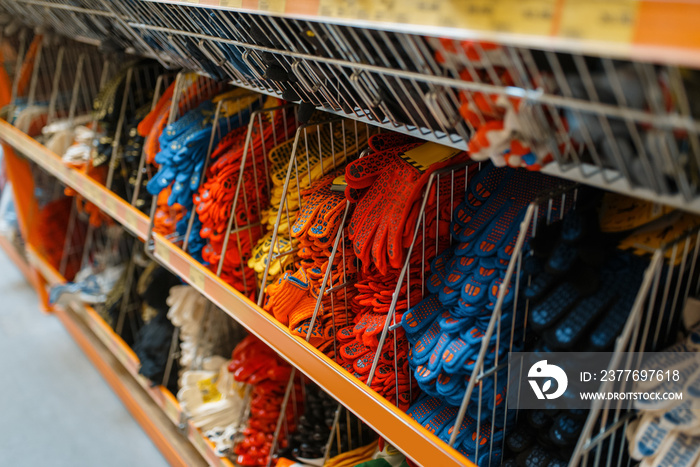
(657, 30)
(134, 220)
(393, 424)
(160, 396)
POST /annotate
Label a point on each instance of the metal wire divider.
(669, 280)
(268, 128)
(145, 171)
(63, 81)
(48, 189)
(137, 90)
(317, 149)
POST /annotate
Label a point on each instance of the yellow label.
(196, 277)
(427, 154)
(524, 16)
(604, 20)
(131, 218)
(339, 183)
(339, 8)
(198, 439)
(162, 251)
(72, 177)
(231, 3)
(110, 204)
(208, 390)
(468, 14)
(171, 410)
(382, 10)
(91, 191)
(273, 6)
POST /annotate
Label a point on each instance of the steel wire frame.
(394, 80)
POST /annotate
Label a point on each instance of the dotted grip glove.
(391, 184)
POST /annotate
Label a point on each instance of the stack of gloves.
(292, 297)
(321, 151)
(512, 132)
(387, 186)
(184, 145)
(308, 444)
(445, 330)
(52, 234)
(153, 341)
(197, 89)
(215, 197)
(504, 128)
(544, 438)
(167, 216)
(385, 189)
(582, 288)
(210, 400)
(256, 364)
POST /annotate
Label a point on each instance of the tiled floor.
(55, 409)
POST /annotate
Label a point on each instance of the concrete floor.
(55, 408)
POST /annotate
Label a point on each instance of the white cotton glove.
(667, 434)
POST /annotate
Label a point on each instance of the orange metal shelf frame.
(118, 209)
(663, 30)
(163, 398)
(393, 424)
(16, 258)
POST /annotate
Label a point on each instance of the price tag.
(131, 218)
(110, 204)
(339, 8)
(208, 389)
(162, 251)
(525, 16)
(272, 6)
(424, 12)
(427, 154)
(382, 10)
(469, 14)
(231, 3)
(171, 410)
(198, 440)
(96, 192)
(197, 277)
(603, 20)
